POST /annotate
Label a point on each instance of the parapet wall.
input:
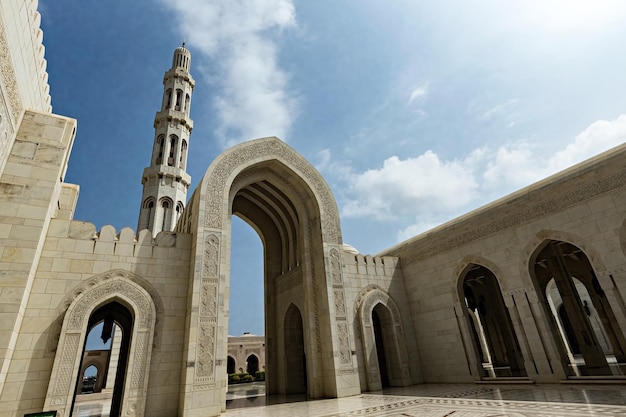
(107, 241)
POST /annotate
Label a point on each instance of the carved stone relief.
(207, 314)
(438, 244)
(9, 80)
(254, 151)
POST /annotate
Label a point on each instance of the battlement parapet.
(84, 237)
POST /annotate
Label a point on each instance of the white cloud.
(429, 191)
(252, 97)
(418, 94)
(598, 137)
(404, 187)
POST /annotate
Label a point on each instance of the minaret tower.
(165, 181)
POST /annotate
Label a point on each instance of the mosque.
(528, 289)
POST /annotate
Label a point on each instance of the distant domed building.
(529, 288)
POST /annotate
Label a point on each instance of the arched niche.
(76, 323)
(375, 305)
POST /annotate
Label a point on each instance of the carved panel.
(8, 76)
(206, 349)
(207, 314)
(140, 363)
(340, 303)
(344, 343)
(335, 267)
(66, 367)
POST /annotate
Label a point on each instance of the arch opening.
(295, 357)
(493, 336)
(589, 340)
(100, 382)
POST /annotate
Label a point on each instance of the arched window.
(179, 99)
(170, 159)
(168, 98)
(160, 143)
(167, 215)
(179, 210)
(187, 100)
(183, 154)
(90, 377)
(148, 215)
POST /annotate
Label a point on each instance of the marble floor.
(443, 400)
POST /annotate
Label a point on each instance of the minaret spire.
(165, 181)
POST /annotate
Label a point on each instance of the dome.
(182, 57)
(350, 249)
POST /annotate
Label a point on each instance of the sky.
(415, 112)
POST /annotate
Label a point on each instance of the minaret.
(165, 181)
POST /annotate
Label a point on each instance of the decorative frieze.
(444, 240)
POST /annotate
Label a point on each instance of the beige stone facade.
(528, 288)
(246, 353)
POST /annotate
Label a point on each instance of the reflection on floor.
(441, 400)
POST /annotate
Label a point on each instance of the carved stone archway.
(114, 287)
(288, 203)
(370, 298)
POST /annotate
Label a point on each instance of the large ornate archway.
(114, 288)
(281, 196)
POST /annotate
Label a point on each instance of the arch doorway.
(102, 391)
(384, 353)
(121, 313)
(252, 364)
(295, 359)
(230, 366)
(589, 338)
(494, 340)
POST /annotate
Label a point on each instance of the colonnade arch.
(493, 339)
(571, 294)
(282, 197)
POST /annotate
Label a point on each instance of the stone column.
(593, 355)
(518, 328)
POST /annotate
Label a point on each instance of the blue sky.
(415, 112)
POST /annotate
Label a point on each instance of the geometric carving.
(8, 76)
(441, 242)
(271, 148)
(207, 313)
(55, 329)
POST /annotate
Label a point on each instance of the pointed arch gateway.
(130, 306)
(386, 358)
(281, 196)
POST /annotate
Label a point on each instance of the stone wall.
(75, 257)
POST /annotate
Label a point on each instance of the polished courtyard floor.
(441, 400)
